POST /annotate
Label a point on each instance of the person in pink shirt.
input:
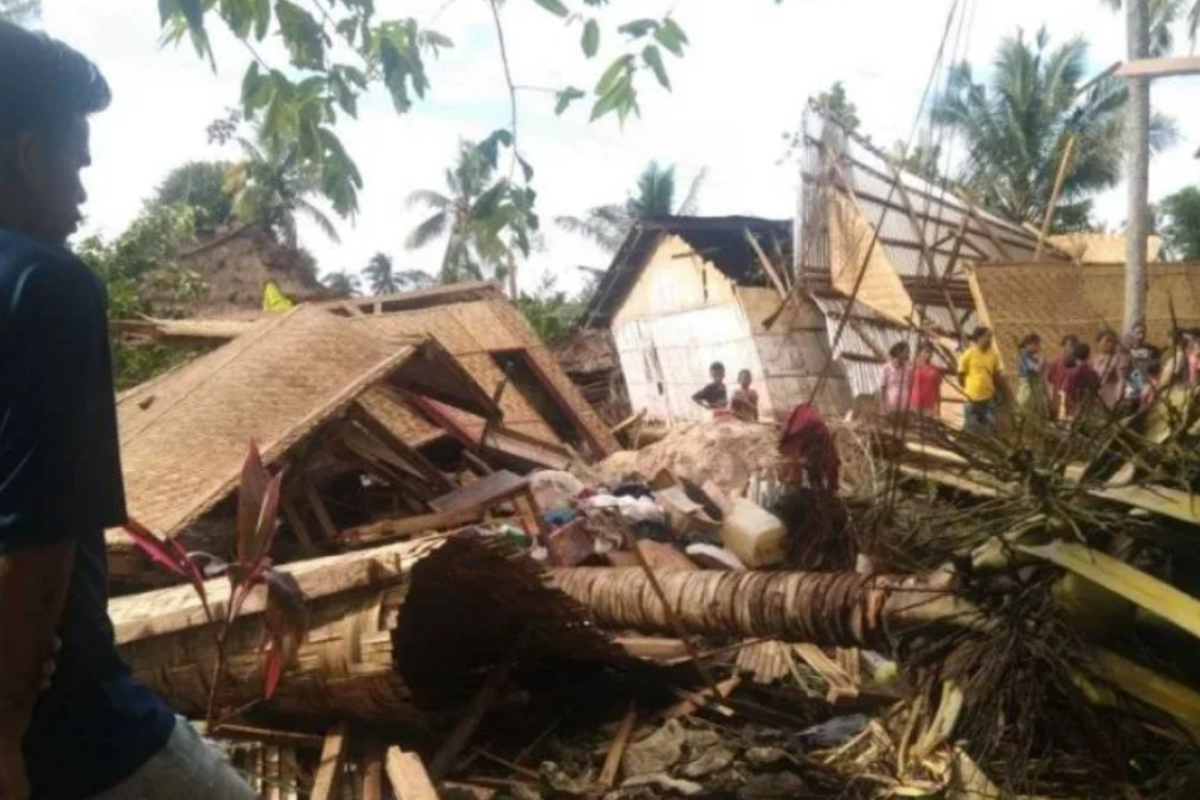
(897, 379)
(925, 398)
(1193, 359)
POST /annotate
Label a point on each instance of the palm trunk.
(841, 609)
(1137, 136)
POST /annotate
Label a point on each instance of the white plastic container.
(754, 535)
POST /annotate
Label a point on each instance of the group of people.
(1126, 375)
(715, 396)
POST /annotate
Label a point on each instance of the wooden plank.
(1162, 500)
(616, 750)
(984, 224)
(446, 755)
(372, 783)
(299, 741)
(408, 777)
(483, 493)
(329, 770)
(766, 264)
(1160, 67)
(322, 513)
(1063, 164)
(410, 454)
(376, 533)
(299, 527)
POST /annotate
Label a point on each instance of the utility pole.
(1137, 153)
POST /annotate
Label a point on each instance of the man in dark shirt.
(714, 395)
(1141, 353)
(93, 732)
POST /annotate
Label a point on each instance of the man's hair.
(44, 83)
(716, 365)
(898, 349)
(979, 333)
(1082, 351)
(1070, 339)
(1031, 338)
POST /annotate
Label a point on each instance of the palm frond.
(318, 217)
(429, 199)
(432, 228)
(606, 236)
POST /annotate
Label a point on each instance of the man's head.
(1082, 352)
(925, 352)
(717, 372)
(1068, 344)
(47, 92)
(982, 337)
(744, 379)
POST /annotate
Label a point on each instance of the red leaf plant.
(285, 613)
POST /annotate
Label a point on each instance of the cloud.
(743, 83)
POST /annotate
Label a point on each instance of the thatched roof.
(234, 266)
(1057, 299)
(184, 435)
(588, 350)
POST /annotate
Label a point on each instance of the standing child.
(1031, 392)
(1082, 384)
(926, 396)
(897, 379)
(714, 396)
(745, 400)
(1193, 360)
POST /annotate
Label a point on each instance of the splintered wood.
(408, 777)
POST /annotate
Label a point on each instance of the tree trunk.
(1137, 147)
(831, 609)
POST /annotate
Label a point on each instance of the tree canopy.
(1017, 125)
(20, 12)
(199, 185)
(1179, 216)
(654, 196)
(343, 283)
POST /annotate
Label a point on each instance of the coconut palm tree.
(606, 226)
(1164, 18)
(380, 274)
(1017, 126)
(270, 189)
(343, 283)
(468, 217)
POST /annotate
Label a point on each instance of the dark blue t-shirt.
(60, 477)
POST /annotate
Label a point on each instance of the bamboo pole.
(1063, 165)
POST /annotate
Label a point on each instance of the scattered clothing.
(714, 395)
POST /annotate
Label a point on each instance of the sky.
(740, 87)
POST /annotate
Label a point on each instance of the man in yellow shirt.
(979, 373)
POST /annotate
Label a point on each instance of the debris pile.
(826, 610)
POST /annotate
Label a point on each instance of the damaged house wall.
(685, 292)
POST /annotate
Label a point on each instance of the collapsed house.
(376, 416)
(684, 292)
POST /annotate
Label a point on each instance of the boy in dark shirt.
(714, 395)
(94, 732)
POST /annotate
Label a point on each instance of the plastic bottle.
(754, 535)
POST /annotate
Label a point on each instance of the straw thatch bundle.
(384, 624)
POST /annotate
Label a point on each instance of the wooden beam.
(299, 526)
(322, 513)
(408, 777)
(329, 770)
(616, 751)
(766, 264)
(446, 755)
(373, 773)
(985, 225)
(384, 531)
(1063, 165)
(1160, 67)
(911, 214)
(410, 454)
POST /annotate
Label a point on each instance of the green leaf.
(617, 98)
(671, 36)
(303, 35)
(639, 27)
(591, 38)
(526, 168)
(257, 90)
(490, 147)
(566, 97)
(555, 7)
(262, 18)
(653, 58)
(613, 74)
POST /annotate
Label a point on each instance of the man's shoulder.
(31, 271)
